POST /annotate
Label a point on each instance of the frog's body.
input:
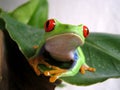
(62, 41)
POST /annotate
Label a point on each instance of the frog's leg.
(78, 64)
(58, 72)
(40, 60)
(84, 67)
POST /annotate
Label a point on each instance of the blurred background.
(98, 15)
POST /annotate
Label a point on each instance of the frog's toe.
(37, 71)
(34, 64)
(54, 74)
(46, 73)
(82, 70)
(53, 79)
(86, 68)
(91, 69)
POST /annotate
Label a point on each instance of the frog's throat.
(61, 47)
(68, 34)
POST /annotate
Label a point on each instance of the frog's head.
(63, 39)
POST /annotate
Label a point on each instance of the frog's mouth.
(62, 47)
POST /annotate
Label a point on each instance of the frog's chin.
(61, 47)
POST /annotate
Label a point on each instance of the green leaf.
(40, 15)
(102, 51)
(34, 13)
(25, 36)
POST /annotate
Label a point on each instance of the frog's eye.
(49, 25)
(85, 31)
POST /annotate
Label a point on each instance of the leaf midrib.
(103, 50)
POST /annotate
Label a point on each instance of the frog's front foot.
(38, 60)
(54, 74)
(86, 68)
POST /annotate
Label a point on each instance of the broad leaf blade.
(102, 51)
(34, 13)
(40, 15)
(24, 12)
(25, 36)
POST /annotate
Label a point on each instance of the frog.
(63, 42)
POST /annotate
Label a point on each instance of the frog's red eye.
(49, 25)
(85, 31)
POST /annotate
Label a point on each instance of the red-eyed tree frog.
(63, 42)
